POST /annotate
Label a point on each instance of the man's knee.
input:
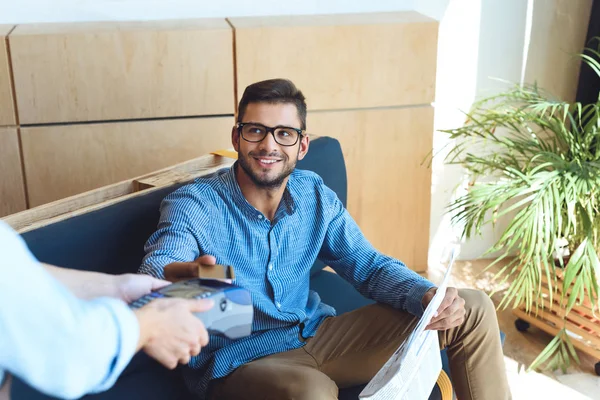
(276, 382)
(478, 305)
(308, 384)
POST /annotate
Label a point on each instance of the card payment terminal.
(232, 313)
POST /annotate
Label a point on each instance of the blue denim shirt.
(273, 260)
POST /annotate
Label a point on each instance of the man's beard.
(264, 181)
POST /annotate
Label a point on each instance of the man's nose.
(268, 143)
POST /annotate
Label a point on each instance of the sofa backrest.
(111, 239)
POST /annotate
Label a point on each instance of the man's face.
(268, 163)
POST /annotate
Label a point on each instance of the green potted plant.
(537, 160)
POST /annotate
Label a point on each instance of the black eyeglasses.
(283, 135)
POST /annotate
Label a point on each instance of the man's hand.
(178, 271)
(451, 312)
(131, 287)
(170, 332)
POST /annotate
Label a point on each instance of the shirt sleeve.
(374, 275)
(174, 240)
(59, 344)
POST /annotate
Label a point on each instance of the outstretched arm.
(373, 274)
(65, 346)
(89, 285)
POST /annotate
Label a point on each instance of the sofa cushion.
(325, 157)
(337, 293)
(110, 239)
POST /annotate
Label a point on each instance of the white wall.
(27, 11)
(559, 28)
(510, 40)
(479, 40)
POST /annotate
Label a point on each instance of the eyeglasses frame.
(271, 130)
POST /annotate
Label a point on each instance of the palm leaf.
(540, 158)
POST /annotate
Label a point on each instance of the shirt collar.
(287, 206)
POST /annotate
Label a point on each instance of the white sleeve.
(57, 343)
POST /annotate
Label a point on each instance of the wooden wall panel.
(111, 71)
(342, 61)
(7, 111)
(61, 161)
(389, 191)
(12, 188)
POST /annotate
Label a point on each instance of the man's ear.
(304, 144)
(235, 138)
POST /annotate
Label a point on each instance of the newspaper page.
(411, 372)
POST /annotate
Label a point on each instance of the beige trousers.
(348, 350)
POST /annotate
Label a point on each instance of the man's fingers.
(442, 314)
(184, 359)
(206, 259)
(446, 323)
(164, 357)
(449, 298)
(158, 283)
(439, 324)
(195, 349)
(187, 270)
(452, 316)
(181, 270)
(454, 308)
(203, 341)
(200, 305)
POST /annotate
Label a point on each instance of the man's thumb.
(200, 305)
(206, 259)
(159, 283)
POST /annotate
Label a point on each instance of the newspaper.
(411, 372)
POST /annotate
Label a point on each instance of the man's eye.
(255, 131)
(284, 133)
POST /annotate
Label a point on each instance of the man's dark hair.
(274, 91)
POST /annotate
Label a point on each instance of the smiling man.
(272, 221)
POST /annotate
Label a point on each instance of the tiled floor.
(520, 349)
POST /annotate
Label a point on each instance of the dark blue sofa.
(111, 240)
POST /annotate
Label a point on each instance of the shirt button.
(271, 267)
(260, 216)
(278, 304)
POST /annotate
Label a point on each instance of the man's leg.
(475, 351)
(289, 375)
(351, 348)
